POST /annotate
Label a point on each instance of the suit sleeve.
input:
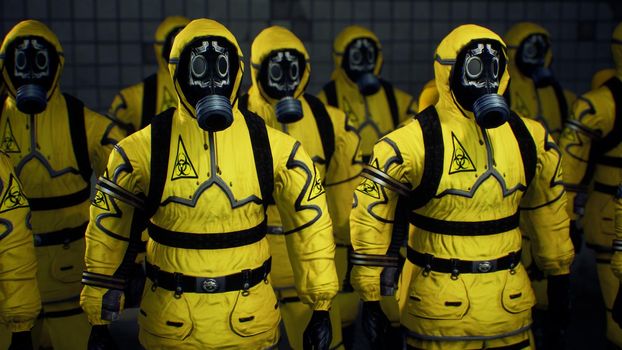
(113, 233)
(102, 134)
(20, 302)
(543, 209)
(301, 201)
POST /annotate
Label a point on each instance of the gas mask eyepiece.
(475, 82)
(207, 70)
(280, 76)
(359, 62)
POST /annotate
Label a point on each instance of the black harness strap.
(207, 240)
(51, 203)
(392, 101)
(243, 102)
(526, 146)
(160, 143)
(324, 126)
(262, 154)
(433, 158)
(77, 129)
(150, 95)
(331, 94)
(465, 228)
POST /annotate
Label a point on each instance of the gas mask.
(530, 59)
(280, 75)
(168, 42)
(475, 81)
(31, 63)
(206, 73)
(359, 61)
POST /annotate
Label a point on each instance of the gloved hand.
(576, 235)
(21, 341)
(318, 334)
(616, 311)
(100, 339)
(558, 312)
(375, 324)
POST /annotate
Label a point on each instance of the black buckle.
(246, 281)
(179, 290)
(156, 273)
(427, 264)
(455, 263)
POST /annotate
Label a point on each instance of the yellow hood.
(445, 58)
(344, 38)
(272, 39)
(163, 30)
(616, 49)
(31, 28)
(515, 36)
(201, 28)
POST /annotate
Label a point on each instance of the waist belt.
(180, 283)
(64, 236)
(465, 228)
(207, 240)
(458, 266)
(615, 162)
(51, 203)
(608, 189)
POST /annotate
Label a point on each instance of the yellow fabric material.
(540, 104)
(616, 49)
(477, 344)
(218, 193)
(20, 302)
(428, 95)
(127, 105)
(600, 77)
(400, 155)
(370, 115)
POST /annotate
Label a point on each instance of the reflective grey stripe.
(373, 260)
(120, 193)
(444, 62)
(466, 337)
(617, 245)
(173, 60)
(385, 180)
(275, 230)
(575, 125)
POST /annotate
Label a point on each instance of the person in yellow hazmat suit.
(466, 288)
(373, 105)
(199, 178)
(592, 148)
(20, 304)
(428, 96)
(136, 105)
(280, 71)
(601, 77)
(54, 143)
(534, 91)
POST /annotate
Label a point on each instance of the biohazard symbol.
(368, 187)
(183, 168)
(460, 160)
(100, 201)
(167, 100)
(9, 143)
(13, 197)
(316, 186)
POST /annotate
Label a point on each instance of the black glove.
(100, 339)
(616, 311)
(318, 334)
(21, 341)
(558, 312)
(576, 236)
(375, 324)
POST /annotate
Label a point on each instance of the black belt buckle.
(485, 266)
(209, 285)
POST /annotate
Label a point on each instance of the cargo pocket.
(68, 263)
(437, 296)
(256, 312)
(162, 315)
(517, 295)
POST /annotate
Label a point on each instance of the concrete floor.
(586, 330)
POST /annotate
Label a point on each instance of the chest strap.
(608, 189)
(66, 201)
(180, 283)
(465, 228)
(457, 266)
(64, 236)
(207, 240)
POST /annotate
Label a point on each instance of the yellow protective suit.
(212, 183)
(549, 105)
(591, 148)
(134, 107)
(57, 188)
(371, 115)
(600, 77)
(475, 189)
(20, 303)
(428, 96)
(340, 177)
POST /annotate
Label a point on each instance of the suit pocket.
(256, 312)
(162, 315)
(517, 295)
(68, 263)
(437, 296)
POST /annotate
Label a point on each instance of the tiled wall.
(108, 42)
